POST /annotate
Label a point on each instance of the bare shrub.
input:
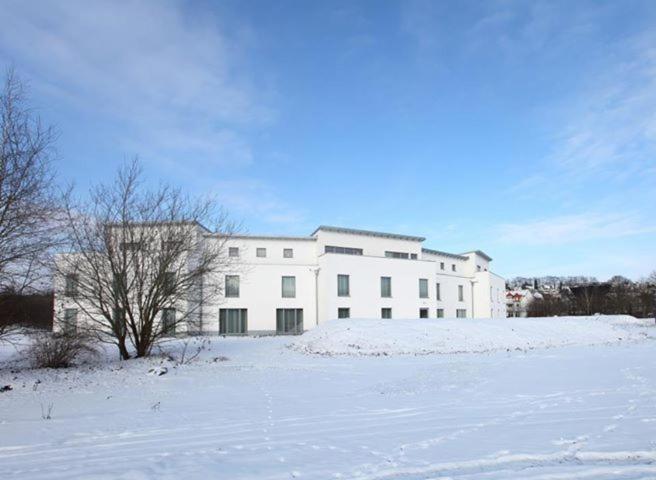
(59, 350)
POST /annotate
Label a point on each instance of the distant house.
(518, 301)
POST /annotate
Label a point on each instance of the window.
(131, 246)
(461, 313)
(119, 283)
(343, 287)
(287, 253)
(70, 289)
(478, 267)
(343, 313)
(453, 267)
(344, 250)
(440, 313)
(396, 255)
(233, 321)
(413, 256)
(288, 287)
(423, 288)
(70, 321)
(438, 293)
(441, 265)
(385, 313)
(169, 283)
(289, 320)
(385, 287)
(119, 319)
(260, 252)
(423, 313)
(461, 293)
(232, 286)
(233, 251)
(168, 321)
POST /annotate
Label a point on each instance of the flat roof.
(480, 253)
(265, 237)
(444, 254)
(369, 233)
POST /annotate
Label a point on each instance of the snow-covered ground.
(271, 411)
(429, 336)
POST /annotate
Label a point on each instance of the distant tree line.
(617, 296)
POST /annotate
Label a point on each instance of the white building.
(289, 284)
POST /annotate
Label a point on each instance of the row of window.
(261, 252)
(232, 321)
(386, 312)
(288, 287)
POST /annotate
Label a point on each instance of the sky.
(523, 129)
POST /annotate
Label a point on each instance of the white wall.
(261, 281)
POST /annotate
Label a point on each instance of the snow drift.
(431, 336)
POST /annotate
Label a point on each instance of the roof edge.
(445, 254)
(370, 233)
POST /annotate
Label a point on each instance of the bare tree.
(141, 264)
(28, 206)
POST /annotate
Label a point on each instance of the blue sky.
(525, 129)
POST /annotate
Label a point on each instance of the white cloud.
(256, 199)
(567, 229)
(174, 81)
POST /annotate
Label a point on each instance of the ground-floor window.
(423, 313)
(168, 321)
(233, 321)
(440, 313)
(289, 320)
(70, 321)
(461, 313)
(343, 313)
(385, 313)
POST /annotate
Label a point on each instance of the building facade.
(287, 285)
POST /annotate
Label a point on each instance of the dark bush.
(59, 350)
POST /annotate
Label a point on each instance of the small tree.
(28, 206)
(141, 263)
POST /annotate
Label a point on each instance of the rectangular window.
(233, 251)
(343, 287)
(343, 313)
(120, 322)
(438, 293)
(168, 321)
(70, 321)
(344, 250)
(233, 321)
(478, 267)
(232, 286)
(453, 267)
(389, 254)
(423, 313)
(413, 256)
(289, 321)
(70, 289)
(288, 287)
(461, 293)
(131, 246)
(441, 265)
(461, 313)
(440, 313)
(288, 253)
(260, 252)
(423, 288)
(385, 313)
(386, 287)
(169, 283)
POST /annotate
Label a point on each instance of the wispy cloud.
(610, 128)
(174, 81)
(255, 198)
(569, 229)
